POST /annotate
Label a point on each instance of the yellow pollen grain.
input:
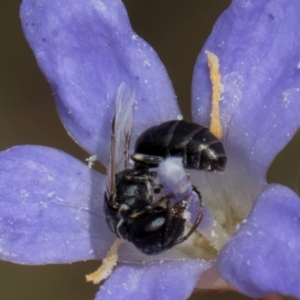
(108, 263)
(215, 77)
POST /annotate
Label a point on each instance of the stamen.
(204, 243)
(215, 235)
(108, 263)
(217, 88)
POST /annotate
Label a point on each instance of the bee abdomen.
(197, 146)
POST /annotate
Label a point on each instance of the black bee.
(134, 214)
(133, 209)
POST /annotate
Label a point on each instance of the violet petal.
(173, 280)
(86, 49)
(263, 257)
(258, 44)
(50, 208)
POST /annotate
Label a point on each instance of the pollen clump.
(91, 160)
(108, 263)
(217, 89)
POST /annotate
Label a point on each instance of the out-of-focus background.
(177, 30)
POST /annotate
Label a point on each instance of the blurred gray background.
(176, 30)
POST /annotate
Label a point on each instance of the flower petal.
(263, 257)
(257, 43)
(174, 280)
(50, 208)
(86, 49)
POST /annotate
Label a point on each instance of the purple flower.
(51, 203)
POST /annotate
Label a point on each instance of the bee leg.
(169, 210)
(194, 227)
(126, 151)
(111, 201)
(179, 207)
(157, 189)
(148, 208)
(137, 178)
(146, 159)
(168, 219)
(159, 201)
(194, 188)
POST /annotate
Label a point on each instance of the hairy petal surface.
(86, 49)
(50, 208)
(258, 46)
(263, 257)
(173, 280)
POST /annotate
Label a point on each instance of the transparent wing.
(120, 137)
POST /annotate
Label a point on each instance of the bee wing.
(121, 131)
(123, 121)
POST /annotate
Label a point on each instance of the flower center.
(227, 200)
